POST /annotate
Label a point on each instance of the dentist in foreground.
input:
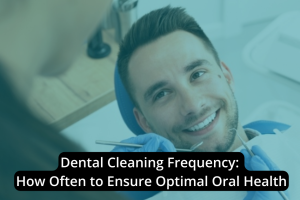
(38, 37)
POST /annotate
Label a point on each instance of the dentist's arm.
(261, 162)
(151, 143)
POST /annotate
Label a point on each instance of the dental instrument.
(252, 154)
(244, 144)
(139, 145)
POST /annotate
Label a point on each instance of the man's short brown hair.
(149, 28)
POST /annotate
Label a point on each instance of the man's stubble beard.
(231, 124)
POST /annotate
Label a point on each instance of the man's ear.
(228, 75)
(141, 120)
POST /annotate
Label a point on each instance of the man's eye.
(197, 75)
(160, 95)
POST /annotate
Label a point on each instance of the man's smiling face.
(183, 93)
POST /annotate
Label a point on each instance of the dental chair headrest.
(125, 105)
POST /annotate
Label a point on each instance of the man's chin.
(215, 141)
(217, 148)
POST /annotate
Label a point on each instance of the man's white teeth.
(204, 123)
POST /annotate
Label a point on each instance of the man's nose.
(191, 102)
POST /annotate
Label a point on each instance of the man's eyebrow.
(195, 64)
(153, 88)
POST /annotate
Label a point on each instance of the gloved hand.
(151, 143)
(261, 162)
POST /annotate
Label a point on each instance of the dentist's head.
(38, 37)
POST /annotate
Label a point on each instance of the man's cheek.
(213, 83)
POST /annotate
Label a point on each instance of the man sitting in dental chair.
(182, 93)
